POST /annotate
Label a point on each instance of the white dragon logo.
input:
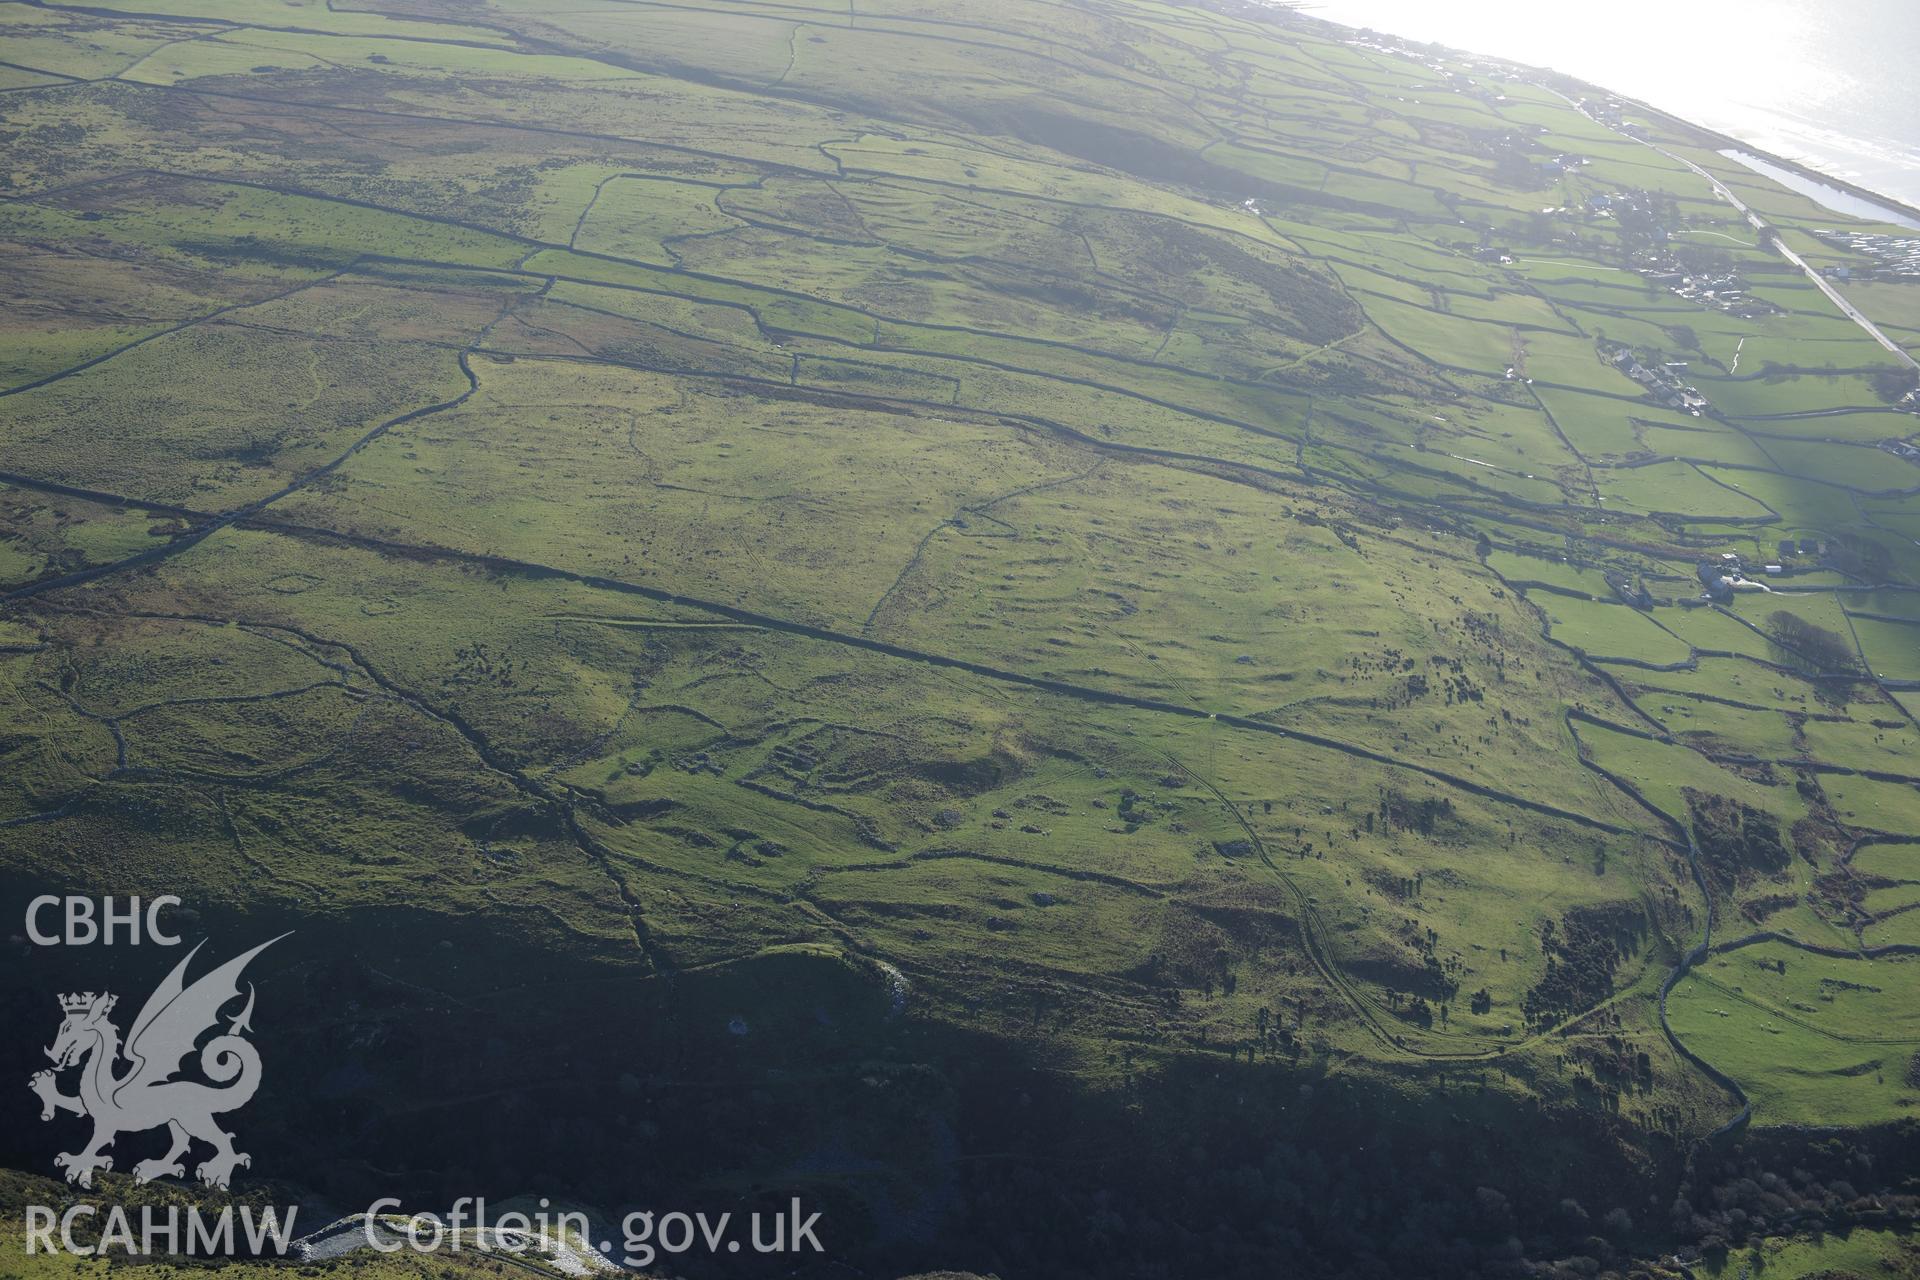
(145, 1096)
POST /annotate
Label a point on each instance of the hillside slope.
(898, 598)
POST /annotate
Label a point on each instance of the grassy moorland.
(896, 600)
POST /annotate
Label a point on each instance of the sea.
(1832, 84)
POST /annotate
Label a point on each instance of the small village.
(1724, 290)
(1721, 291)
(1664, 381)
(1714, 288)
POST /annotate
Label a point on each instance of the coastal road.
(1820, 282)
(1761, 225)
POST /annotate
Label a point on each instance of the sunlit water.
(1821, 193)
(1834, 84)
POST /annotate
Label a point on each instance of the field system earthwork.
(1158, 544)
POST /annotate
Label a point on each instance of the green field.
(1100, 554)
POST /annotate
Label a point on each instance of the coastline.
(1728, 141)
(1715, 139)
